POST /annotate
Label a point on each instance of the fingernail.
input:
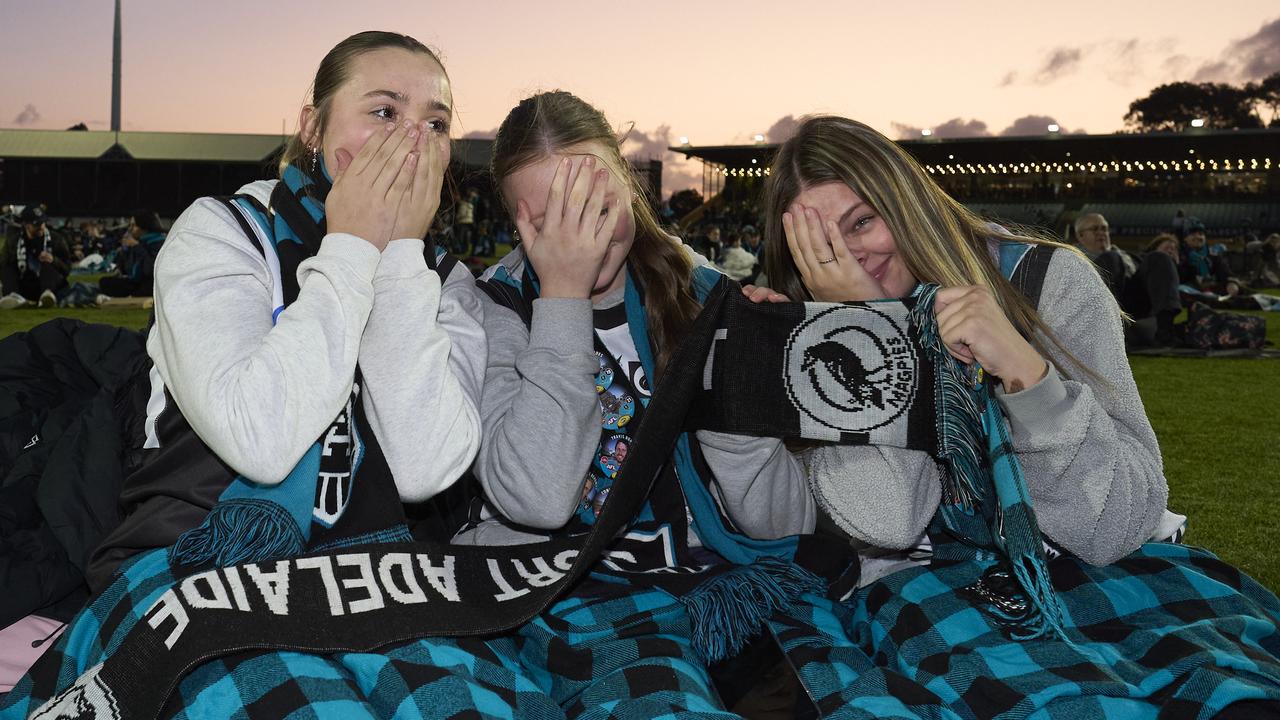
(413, 158)
(413, 132)
(390, 126)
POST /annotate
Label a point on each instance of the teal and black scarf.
(253, 522)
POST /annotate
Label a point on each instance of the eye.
(861, 223)
(439, 125)
(386, 112)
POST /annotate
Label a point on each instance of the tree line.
(1172, 107)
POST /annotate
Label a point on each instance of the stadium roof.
(188, 147)
(1217, 144)
(88, 145)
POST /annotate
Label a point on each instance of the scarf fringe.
(959, 418)
(729, 609)
(239, 531)
(962, 431)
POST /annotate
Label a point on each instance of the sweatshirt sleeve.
(1088, 453)
(258, 395)
(421, 358)
(1090, 458)
(883, 496)
(540, 413)
(760, 484)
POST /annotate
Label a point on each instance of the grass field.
(1218, 421)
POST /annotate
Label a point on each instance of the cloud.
(1060, 62)
(481, 134)
(29, 116)
(1261, 51)
(677, 172)
(1214, 70)
(953, 128)
(1009, 79)
(782, 130)
(1250, 58)
(647, 146)
(1031, 125)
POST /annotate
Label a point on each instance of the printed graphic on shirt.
(340, 451)
(617, 408)
(613, 331)
(604, 379)
(612, 454)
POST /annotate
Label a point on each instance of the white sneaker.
(101, 299)
(11, 301)
(48, 299)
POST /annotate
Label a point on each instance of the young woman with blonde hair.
(1043, 593)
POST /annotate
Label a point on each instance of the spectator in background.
(1262, 260)
(35, 262)
(1093, 234)
(137, 258)
(737, 262)
(1151, 297)
(715, 245)
(1200, 268)
(464, 222)
(1179, 224)
(484, 245)
(751, 240)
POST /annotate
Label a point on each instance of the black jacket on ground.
(66, 425)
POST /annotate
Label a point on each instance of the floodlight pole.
(115, 73)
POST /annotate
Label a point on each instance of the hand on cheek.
(368, 189)
(828, 270)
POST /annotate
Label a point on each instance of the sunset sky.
(717, 72)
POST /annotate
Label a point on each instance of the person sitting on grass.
(34, 264)
(137, 258)
(1152, 298)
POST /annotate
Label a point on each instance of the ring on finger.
(828, 260)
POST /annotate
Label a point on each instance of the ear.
(309, 125)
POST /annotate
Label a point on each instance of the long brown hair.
(940, 240)
(548, 123)
(334, 70)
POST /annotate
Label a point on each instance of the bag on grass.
(1208, 329)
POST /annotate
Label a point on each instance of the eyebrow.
(849, 212)
(402, 98)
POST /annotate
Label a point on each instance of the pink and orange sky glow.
(716, 72)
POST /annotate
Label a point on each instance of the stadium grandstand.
(99, 174)
(1227, 179)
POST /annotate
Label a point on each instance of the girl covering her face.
(315, 363)
(850, 216)
(582, 319)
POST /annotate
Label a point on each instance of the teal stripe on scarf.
(707, 520)
(971, 421)
(253, 522)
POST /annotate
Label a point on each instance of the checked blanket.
(958, 639)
